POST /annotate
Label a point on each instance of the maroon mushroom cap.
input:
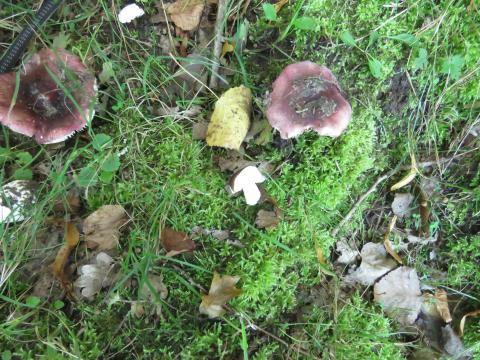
(307, 96)
(55, 97)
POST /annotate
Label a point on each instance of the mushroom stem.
(252, 193)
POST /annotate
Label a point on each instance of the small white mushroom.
(15, 198)
(129, 13)
(246, 180)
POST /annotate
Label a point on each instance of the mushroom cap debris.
(307, 96)
(55, 98)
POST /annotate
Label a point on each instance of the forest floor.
(292, 285)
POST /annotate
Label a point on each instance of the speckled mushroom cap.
(307, 96)
(55, 97)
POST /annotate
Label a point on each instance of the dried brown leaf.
(464, 318)
(221, 291)
(153, 291)
(186, 14)
(375, 263)
(267, 219)
(95, 276)
(199, 131)
(388, 244)
(399, 294)
(442, 305)
(176, 242)
(103, 226)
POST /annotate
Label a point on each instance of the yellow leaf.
(320, 255)
(221, 290)
(407, 179)
(388, 244)
(227, 48)
(230, 119)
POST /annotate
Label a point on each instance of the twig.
(381, 179)
(217, 47)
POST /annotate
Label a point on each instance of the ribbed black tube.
(15, 51)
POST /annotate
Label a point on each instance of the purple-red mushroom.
(307, 96)
(55, 97)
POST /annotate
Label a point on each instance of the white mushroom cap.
(246, 180)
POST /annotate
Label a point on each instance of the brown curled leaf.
(442, 305)
(388, 244)
(72, 236)
(176, 242)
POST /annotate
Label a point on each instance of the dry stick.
(381, 179)
(217, 47)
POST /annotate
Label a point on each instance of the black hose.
(16, 50)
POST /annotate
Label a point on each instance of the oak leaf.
(186, 14)
(221, 291)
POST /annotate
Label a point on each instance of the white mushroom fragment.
(15, 198)
(246, 180)
(130, 13)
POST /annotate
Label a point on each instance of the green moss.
(361, 332)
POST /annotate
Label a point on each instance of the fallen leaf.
(96, 276)
(388, 244)
(424, 211)
(280, 4)
(401, 204)
(137, 308)
(186, 14)
(320, 255)
(464, 318)
(176, 242)
(72, 236)
(230, 119)
(407, 179)
(228, 47)
(233, 164)
(260, 132)
(153, 290)
(103, 226)
(267, 219)
(441, 304)
(199, 130)
(399, 294)
(375, 263)
(221, 291)
(221, 235)
(347, 253)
